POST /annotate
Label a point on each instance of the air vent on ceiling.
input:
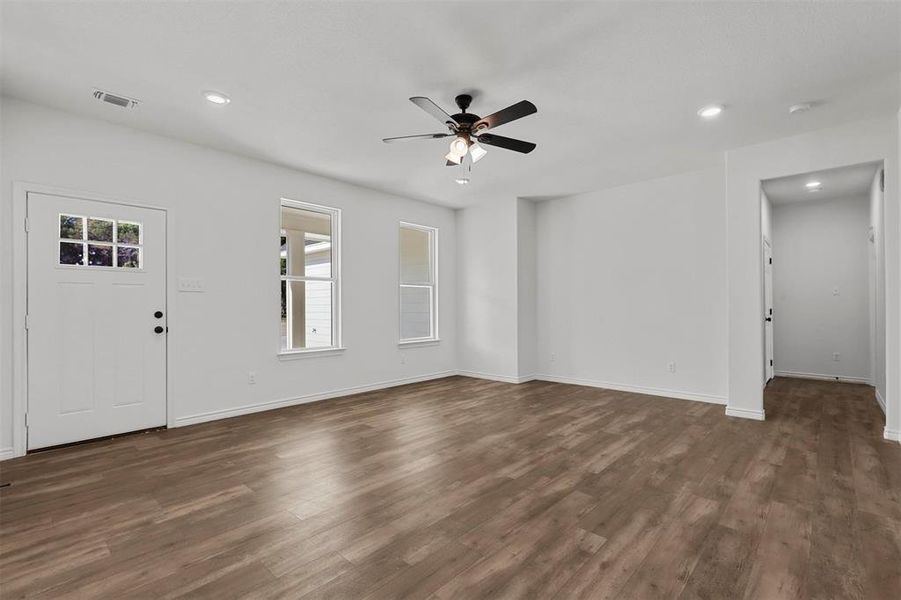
(116, 99)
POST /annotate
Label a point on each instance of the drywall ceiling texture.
(222, 210)
(850, 144)
(821, 288)
(316, 85)
(836, 184)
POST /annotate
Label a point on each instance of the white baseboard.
(892, 434)
(744, 413)
(635, 389)
(215, 415)
(6, 453)
(821, 377)
(493, 377)
(880, 400)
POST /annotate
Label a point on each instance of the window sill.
(295, 354)
(414, 343)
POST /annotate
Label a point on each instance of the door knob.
(158, 314)
(158, 329)
(768, 319)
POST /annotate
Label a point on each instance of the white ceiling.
(842, 183)
(317, 85)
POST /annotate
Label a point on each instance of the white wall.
(848, 144)
(821, 289)
(631, 279)
(527, 288)
(766, 217)
(223, 228)
(487, 295)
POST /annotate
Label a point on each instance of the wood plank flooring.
(461, 489)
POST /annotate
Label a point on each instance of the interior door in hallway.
(769, 368)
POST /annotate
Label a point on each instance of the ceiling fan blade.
(505, 115)
(506, 143)
(424, 136)
(434, 110)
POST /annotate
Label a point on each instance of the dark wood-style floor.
(460, 488)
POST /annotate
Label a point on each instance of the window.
(418, 277)
(309, 277)
(98, 242)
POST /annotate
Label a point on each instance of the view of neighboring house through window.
(309, 276)
(417, 283)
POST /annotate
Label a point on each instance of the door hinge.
(26, 224)
(771, 362)
(27, 322)
(771, 261)
(26, 419)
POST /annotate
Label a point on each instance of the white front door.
(96, 319)
(768, 308)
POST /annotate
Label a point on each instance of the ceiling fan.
(468, 129)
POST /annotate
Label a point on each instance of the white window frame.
(433, 285)
(335, 216)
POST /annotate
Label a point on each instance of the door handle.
(768, 319)
(158, 314)
(158, 329)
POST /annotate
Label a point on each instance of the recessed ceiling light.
(216, 97)
(812, 185)
(711, 111)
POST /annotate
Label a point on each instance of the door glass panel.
(128, 257)
(129, 233)
(100, 256)
(100, 230)
(71, 228)
(71, 253)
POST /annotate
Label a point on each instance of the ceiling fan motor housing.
(463, 101)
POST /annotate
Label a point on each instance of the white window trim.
(434, 338)
(336, 347)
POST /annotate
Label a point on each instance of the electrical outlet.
(251, 377)
(836, 356)
(671, 367)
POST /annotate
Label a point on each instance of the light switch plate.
(190, 284)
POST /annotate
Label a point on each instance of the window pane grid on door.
(99, 242)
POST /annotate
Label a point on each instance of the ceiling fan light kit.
(469, 129)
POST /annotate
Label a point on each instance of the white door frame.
(21, 190)
(768, 292)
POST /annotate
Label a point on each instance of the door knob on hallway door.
(768, 319)
(158, 314)
(158, 329)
